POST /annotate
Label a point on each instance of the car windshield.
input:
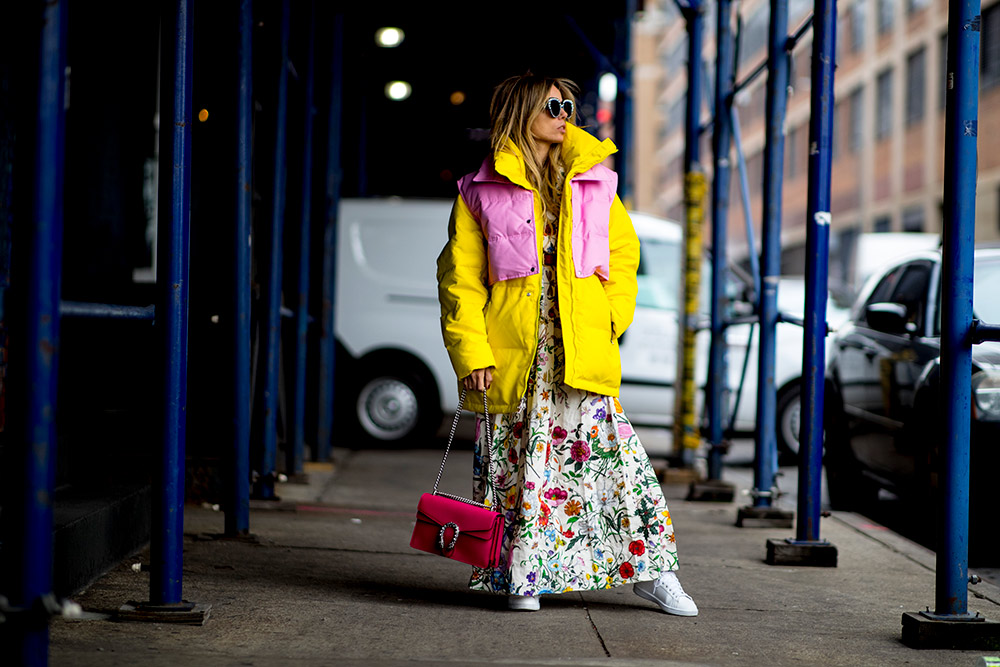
(985, 296)
(659, 274)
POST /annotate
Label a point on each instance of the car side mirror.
(888, 318)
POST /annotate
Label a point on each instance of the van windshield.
(659, 274)
(985, 298)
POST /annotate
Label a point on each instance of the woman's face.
(547, 129)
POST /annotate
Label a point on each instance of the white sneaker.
(668, 593)
(523, 603)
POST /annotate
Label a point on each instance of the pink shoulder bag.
(459, 528)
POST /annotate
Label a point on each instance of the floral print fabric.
(584, 509)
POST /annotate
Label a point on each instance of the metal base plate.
(962, 633)
(247, 538)
(712, 490)
(764, 517)
(794, 552)
(183, 613)
(962, 618)
(678, 475)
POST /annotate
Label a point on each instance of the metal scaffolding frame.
(27, 609)
(32, 603)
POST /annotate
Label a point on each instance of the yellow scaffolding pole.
(687, 438)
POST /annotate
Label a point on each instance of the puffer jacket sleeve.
(462, 291)
(621, 286)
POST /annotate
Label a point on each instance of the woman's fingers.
(479, 379)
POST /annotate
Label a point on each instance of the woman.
(537, 282)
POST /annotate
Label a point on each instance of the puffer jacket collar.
(580, 152)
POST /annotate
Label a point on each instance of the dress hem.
(635, 580)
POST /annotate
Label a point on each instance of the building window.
(677, 55)
(838, 111)
(943, 71)
(674, 172)
(915, 77)
(885, 16)
(883, 104)
(913, 219)
(791, 152)
(855, 120)
(755, 167)
(754, 34)
(989, 54)
(676, 114)
(913, 6)
(842, 246)
(858, 25)
(802, 71)
(882, 224)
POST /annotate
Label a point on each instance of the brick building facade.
(888, 153)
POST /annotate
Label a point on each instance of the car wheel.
(788, 413)
(391, 406)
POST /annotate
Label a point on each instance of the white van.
(394, 377)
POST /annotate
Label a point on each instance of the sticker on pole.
(822, 218)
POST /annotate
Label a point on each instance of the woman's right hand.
(479, 379)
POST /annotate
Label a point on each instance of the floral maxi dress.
(584, 509)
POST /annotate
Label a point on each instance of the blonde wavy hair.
(516, 103)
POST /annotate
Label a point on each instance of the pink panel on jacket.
(505, 212)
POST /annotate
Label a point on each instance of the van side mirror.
(888, 318)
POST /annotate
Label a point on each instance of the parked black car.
(884, 415)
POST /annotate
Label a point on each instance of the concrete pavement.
(332, 580)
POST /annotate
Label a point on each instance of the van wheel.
(788, 415)
(393, 404)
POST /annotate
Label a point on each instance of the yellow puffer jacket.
(497, 325)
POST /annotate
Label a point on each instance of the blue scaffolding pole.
(951, 625)
(328, 349)
(267, 464)
(765, 459)
(295, 446)
(173, 244)
(34, 593)
(807, 548)
(686, 436)
(961, 118)
(817, 268)
(238, 511)
(721, 146)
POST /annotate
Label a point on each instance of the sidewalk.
(334, 581)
